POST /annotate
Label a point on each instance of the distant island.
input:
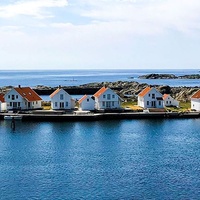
(169, 76)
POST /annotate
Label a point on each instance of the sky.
(99, 34)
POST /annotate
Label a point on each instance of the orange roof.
(55, 92)
(196, 95)
(82, 99)
(28, 93)
(165, 96)
(2, 98)
(144, 92)
(100, 92)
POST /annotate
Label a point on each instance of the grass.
(183, 106)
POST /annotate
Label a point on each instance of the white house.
(22, 98)
(105, 98)
(169, 101)
(2, 103)
(195, 101)
(86, 103)
(150, 98)
(61, 100)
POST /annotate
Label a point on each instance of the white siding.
(195, 104)
(62, 100)
(87, 104)
(108, 100)
(15, 101)
(169, 101)
(150, 100)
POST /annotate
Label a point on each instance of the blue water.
(77, 77)
(127, 159)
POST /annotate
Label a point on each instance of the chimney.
(19, 86)
(59, 86)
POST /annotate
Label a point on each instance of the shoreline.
(54, 117)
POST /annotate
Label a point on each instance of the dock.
(89, 116)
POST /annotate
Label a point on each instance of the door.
(108, 104)
(153, 104)
(61, 105)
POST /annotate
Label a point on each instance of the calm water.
(78, 77)
(128, 159)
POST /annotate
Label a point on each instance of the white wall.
(148, 100)
(169, 101)
(87, 104)
(108, 100)
(195, 104)
(62, 103)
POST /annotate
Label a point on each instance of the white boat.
(12, 117)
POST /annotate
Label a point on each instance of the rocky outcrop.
(126, 89)
(169, 76)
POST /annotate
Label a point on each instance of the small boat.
(12, 117)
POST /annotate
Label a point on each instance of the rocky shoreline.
(126, 89)
(169, 76)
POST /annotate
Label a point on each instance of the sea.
(129, 159)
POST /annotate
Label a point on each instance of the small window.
(56, 104)
(88, 100)
(61, 97)
(103, 103)
(113, 96)
(11, 104)
(13, 97)
(153, 96)
(149, 95)
(170, 102)
(18, 104)
(108, 96)
(16, 96)
(9, 96)
(159, 102)
(104, 96)
(66, 104)
(147, 103)
(113, 103)
(167, 102)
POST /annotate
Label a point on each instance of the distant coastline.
(169, 76)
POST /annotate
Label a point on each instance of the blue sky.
(99, 34)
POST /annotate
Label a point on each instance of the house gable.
(196, 95)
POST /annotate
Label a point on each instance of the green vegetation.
(183, 106)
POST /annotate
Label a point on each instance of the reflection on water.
(127, 159)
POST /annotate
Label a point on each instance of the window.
(167, 102)
(147, 103)
(16, 96)
(108, 96)
(11, 104)
(113, 103)
(170, 102)
(104, 96)
(18, 104)
(36, 102)
(159, 103)
(149, 95)
(66, 104)
(88, 100)
(13, 97)
(56, 104)
(103, 103)
(113, 96)
(61, 97)
(9, 96)
(153, 96)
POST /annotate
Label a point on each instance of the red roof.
(55, 92)
(28, 93)
(144, 92)
(82, 99)
(100, 92)
(2, 98)
(165, 96)
(196, 95)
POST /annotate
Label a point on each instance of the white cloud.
(31, 8)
